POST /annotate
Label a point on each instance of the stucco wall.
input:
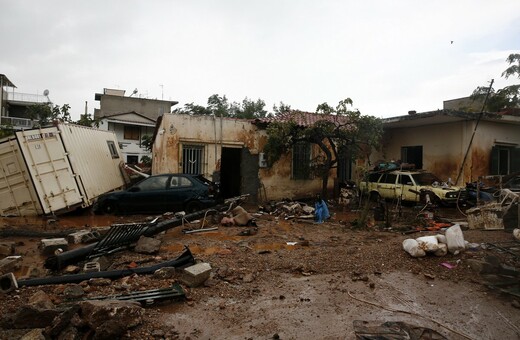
(118, 104)
(214, 134)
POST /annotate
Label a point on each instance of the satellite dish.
(46, 92)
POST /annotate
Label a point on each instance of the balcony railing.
(27, 97)
(17, 123)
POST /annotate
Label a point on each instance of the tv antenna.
(46, 94)
(133, 92)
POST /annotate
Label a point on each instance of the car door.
(386, 186)
(404, 187)
(148, 196)
(180, 191)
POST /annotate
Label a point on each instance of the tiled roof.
(302, 118)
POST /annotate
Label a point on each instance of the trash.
(428, 243)
(448, 265)
(411, 246)
(442, 251)
(394, 330)
(321, 210)
(455, 239)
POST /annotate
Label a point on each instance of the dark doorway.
(230, 175)
(412, 155)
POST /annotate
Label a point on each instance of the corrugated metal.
(49, 168)
(17, 195)
(96, 166)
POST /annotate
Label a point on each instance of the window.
(179, 181)
(505, 160)
(405, 180)
(301, 155)
(192, 157)
(131, 132)
(112, 148)
(412, 155)
(153, 183)
(388, 178)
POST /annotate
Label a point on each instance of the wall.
(176, 130)
(117, 104)
(445, 145)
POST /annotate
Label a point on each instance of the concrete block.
(8, 283)
(83, 236)
(10, 264)
(91, 267)
(195, 275)
(49, 246)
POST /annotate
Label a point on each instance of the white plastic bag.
(411, 246)
(455, 239)
(441, 238)
(428, 243)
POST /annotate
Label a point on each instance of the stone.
(165, 273)
(83, 236)
(249, 277)
(195, 275)
(147, 245)
(34, 334)
(7, 249)
(73, 291)
(28, 316)
(41, 300)
(103, 261)
(49, 246)
(71, 269)
(61, 323)
(98, 281)
(10, 264)
(111, 318)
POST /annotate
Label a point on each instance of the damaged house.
(454, 144)
(230, 151)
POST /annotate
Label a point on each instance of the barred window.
(192, 159)
(301, 156)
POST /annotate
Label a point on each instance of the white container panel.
(17, 195)
(95, 159)
(50, 170)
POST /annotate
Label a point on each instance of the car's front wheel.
(110, 207)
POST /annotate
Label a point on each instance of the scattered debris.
(195, 275)
(395, 330)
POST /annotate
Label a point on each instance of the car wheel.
(110, 208)
(193, 206)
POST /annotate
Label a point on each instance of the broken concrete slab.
(49, 246)
(195, 275)
(111, 318)
(10, 264)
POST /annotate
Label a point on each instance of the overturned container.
(57, 169)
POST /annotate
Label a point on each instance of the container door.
(50, 169)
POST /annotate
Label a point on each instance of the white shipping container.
(56, 169)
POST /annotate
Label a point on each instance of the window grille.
(301, 155)
(192, 159)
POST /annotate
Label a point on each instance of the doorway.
(230, 174)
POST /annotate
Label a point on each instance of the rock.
(516, 304)
(111, 318)
(147, 245)
(482, 267)
(73, 291)
(10, 264)
(61, 323)
(30, 317)
(99, 282)
(165, 273)
(35, 334)
(516, 234)
(71, 269)
(249, 277)
(41, 300)
(7, 249)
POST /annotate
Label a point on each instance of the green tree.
(87, 120)
(341, 130)
(147, 143)
(220, 106)
(505, 98)
(45, 115)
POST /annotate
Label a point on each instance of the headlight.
(452, 194)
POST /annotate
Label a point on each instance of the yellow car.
(409, 186)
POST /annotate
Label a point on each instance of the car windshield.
(425, 178)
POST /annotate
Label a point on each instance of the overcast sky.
(389, 57)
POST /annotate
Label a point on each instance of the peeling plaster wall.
(274, 183)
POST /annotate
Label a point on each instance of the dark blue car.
(159, 194)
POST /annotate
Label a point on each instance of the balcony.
(18, 97)
(16, 123)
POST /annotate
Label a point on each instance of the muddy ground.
(263, 286)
